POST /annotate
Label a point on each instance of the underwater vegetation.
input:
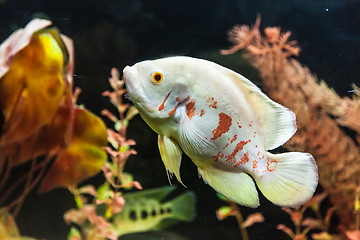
(41, 125)
(40, 117)
(328, 127)
(322, 117)
(58, 143)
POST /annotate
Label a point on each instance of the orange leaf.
(47, 141)
(286, 230)
(83, 157)
(253, 218)
(311, 222)
(353, 235)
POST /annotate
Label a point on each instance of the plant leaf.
(286, 230)
(321, 236)
(8, 226)
(31, 90)
(253, 218)
(353, 235)
(311, 222)
(74, 234)
(224, 212)
(83, 157)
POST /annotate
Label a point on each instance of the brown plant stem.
(6, 175)
(27, 184)
(27, 190)
(17, 183)
(10, 120)
(240, 221)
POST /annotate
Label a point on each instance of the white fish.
(226, 125)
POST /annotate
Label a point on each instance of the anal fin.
(237, 187)
(171, 155)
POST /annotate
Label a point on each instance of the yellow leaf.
(31, 90)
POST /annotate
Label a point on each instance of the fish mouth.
(132, 86)
(135, 89)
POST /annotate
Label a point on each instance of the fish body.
(146, 210)
(226, 125)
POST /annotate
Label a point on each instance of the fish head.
(157, 88)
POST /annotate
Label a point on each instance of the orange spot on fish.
(177, 105)
(223, 127)
(190, 108)
(202, 112)
(218, 156)
(173, 111)
(213, 105)
(161, 107)
(233, 139)
(271, 165)
(243, 160)
(211, 102)
(239, 146)
(255, 162)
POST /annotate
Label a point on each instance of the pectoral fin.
(192, 139)
(171, 155)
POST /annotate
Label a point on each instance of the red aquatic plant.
(92, 223)
(304, 224)
(321, 114)
(233, 210)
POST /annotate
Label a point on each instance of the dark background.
(117, 33)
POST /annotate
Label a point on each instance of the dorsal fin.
(278, 121)
(156, 193)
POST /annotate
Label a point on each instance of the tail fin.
(183, 207)
(294, 180)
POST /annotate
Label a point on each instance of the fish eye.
(157, 77)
